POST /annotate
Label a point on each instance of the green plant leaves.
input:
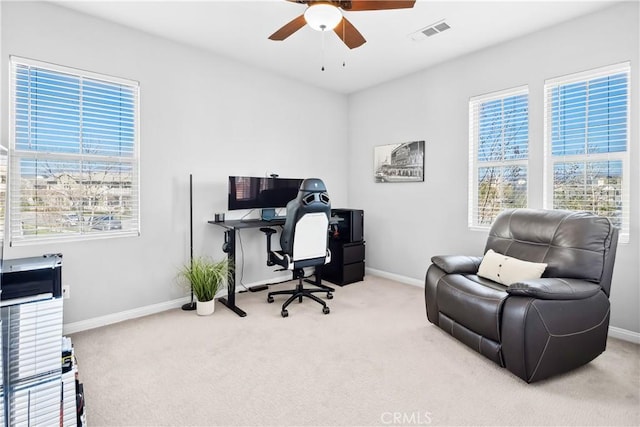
(206, 276)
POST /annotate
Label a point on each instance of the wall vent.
(430, 30)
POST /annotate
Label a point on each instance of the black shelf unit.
(347, 248)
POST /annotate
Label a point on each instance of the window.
(498, 150)
(3, 193)
(73, 154)
(587, 144)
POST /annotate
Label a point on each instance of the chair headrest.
(313, 185)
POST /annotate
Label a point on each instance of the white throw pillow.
(507, 270)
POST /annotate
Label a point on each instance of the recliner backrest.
(577, 245)
(304, 233)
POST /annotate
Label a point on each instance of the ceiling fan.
(325, 15)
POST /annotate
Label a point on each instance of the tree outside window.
(499, 152)
(587, 143)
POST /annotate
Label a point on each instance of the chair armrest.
(457, 264)
(268, 232)
(554, 289)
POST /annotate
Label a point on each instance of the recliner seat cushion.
(474, 302)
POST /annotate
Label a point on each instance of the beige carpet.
(374, 360)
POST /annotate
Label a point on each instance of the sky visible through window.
(70, 114)
(588, 139)
(590, 117)
(75, 150)
(588, 133)
(504, 129)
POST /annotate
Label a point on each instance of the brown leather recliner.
(539, 327)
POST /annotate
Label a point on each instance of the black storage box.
(25, 277)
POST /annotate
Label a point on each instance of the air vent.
(430, 30)
(442, 26)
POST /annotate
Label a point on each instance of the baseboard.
(395, 277)
(624, 334)
(614, 332)
(109, 319)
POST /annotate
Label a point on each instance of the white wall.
(406, 224)
(200, 114)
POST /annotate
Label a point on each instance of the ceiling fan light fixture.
(322, 16)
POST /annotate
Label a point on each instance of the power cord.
(239, 235)
(246, 289)
(242, 262)
(245, 215)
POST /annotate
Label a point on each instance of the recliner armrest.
(554, 289)
(457, 264)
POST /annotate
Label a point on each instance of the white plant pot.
(205, 308)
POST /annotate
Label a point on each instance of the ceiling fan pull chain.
(322, 50)
(343, 31)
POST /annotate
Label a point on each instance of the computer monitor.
(250, 192)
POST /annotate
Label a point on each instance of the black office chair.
(303, 241)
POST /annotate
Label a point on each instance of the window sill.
(74, 238)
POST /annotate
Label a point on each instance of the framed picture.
(399, 162)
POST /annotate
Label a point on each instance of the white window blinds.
(498, 154)
(73, 154)
(587, 144)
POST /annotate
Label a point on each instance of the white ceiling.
(239, 29)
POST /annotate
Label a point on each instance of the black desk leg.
(230, 301)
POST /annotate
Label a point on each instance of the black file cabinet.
(347, 248)
(347, 263)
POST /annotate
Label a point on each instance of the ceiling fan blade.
(289, 28)
(379, 4)
(348, 34)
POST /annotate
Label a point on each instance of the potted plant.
(206, 277)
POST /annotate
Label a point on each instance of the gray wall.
(200, 114)
(408, 223)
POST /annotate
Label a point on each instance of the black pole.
(190, 305)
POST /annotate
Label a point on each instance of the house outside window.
(587, 144)
(74, 144)
(498, 151)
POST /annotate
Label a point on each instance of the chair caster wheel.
(329, 295)
(269, 299)
(325, 310)
(284, 313)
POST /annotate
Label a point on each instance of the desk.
(231, 225)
